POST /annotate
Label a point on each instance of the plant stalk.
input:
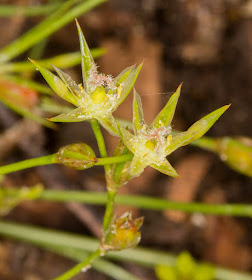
(52, 159)
(149, 258)
(82, 266)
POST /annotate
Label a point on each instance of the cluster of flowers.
(100, 95)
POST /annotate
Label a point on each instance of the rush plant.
(95, 100)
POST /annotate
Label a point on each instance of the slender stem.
(109, 210)
(142, 256)
(61, 61)
(110, 184)
(113, 160)
(108, 268)
(206, 143)
(99, 138)
(83, 266)
(52, 159)
(51, 24)
(35, 10)
(143, 202)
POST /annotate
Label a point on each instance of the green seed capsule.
(99, 95)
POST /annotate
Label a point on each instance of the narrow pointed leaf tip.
(165, 117)
(87, 62)
(128, 83)
(55, 83)
(197, 130)
(138, 118)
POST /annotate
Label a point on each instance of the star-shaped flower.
(98, 97)
(152, 144)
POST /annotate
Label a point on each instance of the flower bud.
(79, 156)
(123, 233)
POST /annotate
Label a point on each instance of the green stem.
(110, 184)
(113, 160)
(11, 10)
(109, 207)
(106, 267)
(51, 24)
(142, 256)
(61, 61)
(151, 203)
(110, 203)
(52, 159)
(205, 143)
(99, 138)
(143, 202)
(83, 266)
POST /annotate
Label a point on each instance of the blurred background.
(207, 45)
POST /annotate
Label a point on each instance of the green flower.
(98, 97)
(152, 144)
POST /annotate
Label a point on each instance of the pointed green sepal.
(165, 168)
(197, 130)
(137, 166)
(124, 74)
(55, 83)
(138, 118)
(127, 138)
(70, 83)
(76, 115)
(87, 61)
(128, 84)
(165, 117)
(109, 124)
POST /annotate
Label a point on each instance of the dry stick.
(51, 175)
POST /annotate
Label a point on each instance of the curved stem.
(83, 266)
